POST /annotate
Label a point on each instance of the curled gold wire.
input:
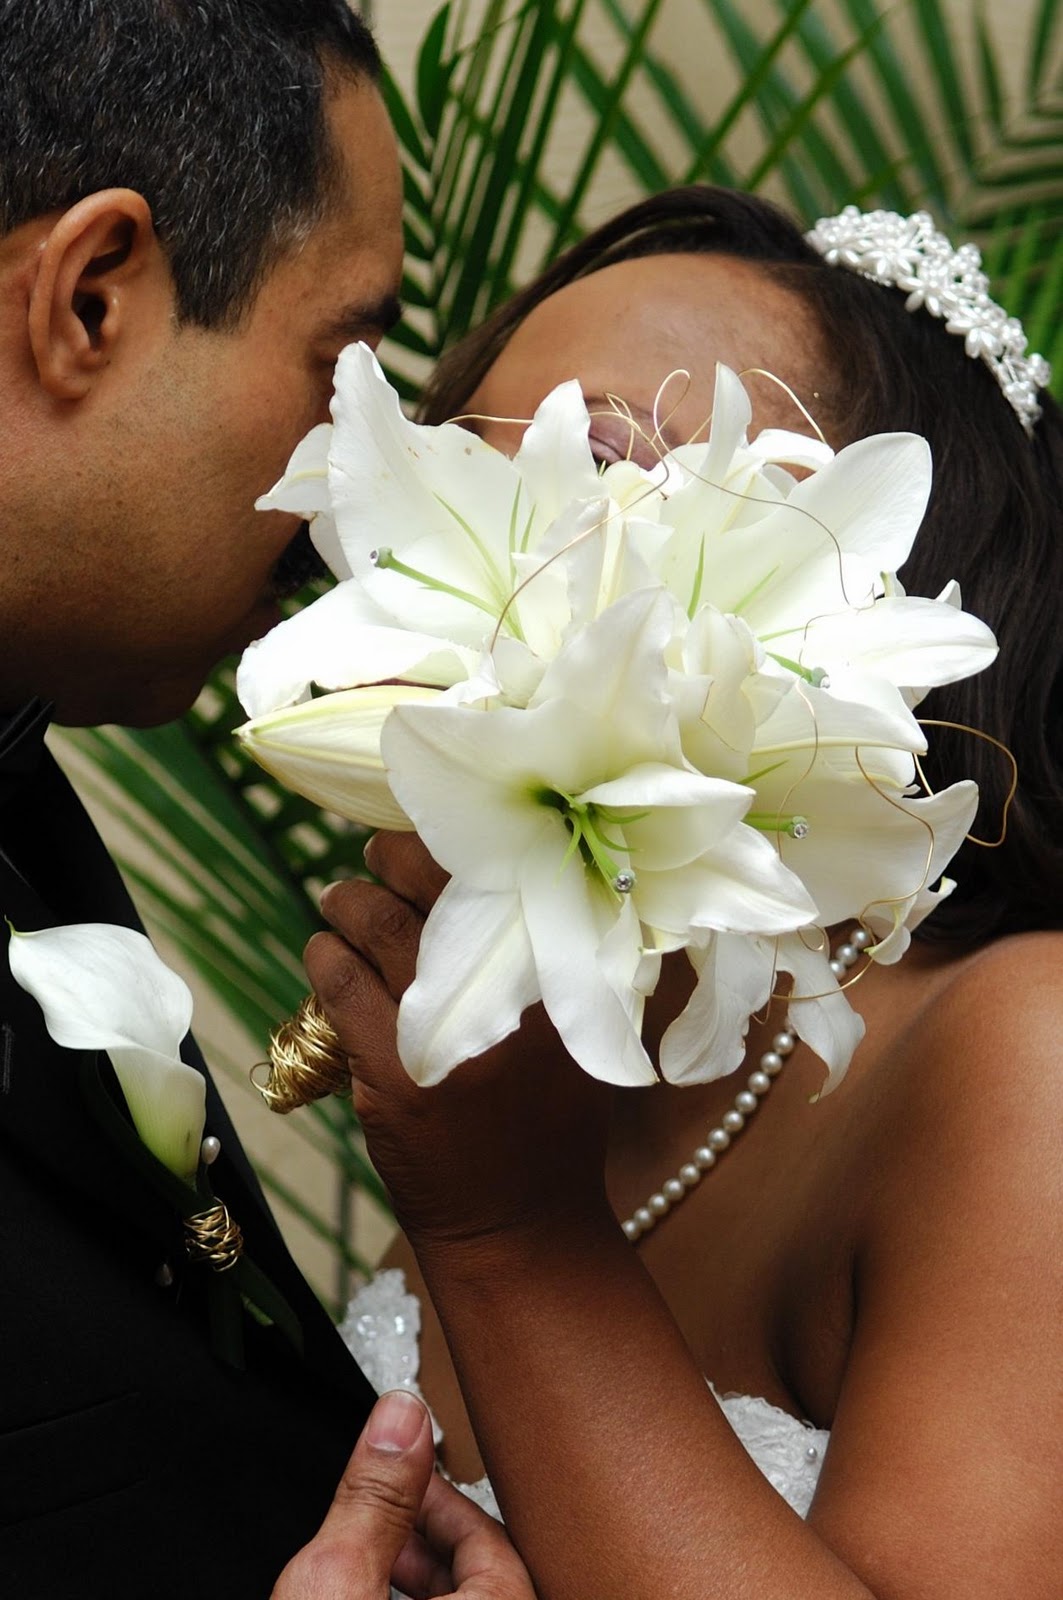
(212, 1237)
(306, 1061)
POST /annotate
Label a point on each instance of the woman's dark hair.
(213, 110)
(995, 519)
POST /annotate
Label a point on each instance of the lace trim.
(382, 1330)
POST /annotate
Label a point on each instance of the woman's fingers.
(402, 863)
(381, 927)
(358, 1004)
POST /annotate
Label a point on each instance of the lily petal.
(341, 641)
(819, 1012)
(707, 1039)
(475, 976)
(168, 1103)
(103, 987)
(595, 1025)
(304, 486)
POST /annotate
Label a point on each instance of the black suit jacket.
(133, 1463)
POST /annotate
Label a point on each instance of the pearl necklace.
(719, 1138)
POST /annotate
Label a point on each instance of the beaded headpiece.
(909, 253)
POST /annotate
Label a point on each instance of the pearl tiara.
(909, 253)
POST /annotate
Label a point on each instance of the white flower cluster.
(909, 253)
(631, 713)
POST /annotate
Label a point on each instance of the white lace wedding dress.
(382, 1330)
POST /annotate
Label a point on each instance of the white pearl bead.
(771, 1063)
(659, 1205)
(704, 1157)
(689, 1175)
(746, 1103)
(631, 1229)
(860, 938)
(847, 954)
(673, 1190)
(783, 1042)
(645, 1218)
(759, 1082)
(733, 1121)
(838, 968)
(718, 1139)
(210, 1150)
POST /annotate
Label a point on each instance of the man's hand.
(393, 1520)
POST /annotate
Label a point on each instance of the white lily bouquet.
(630, 712)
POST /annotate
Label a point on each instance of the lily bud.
(328, 750)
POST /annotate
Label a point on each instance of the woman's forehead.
(625, 329)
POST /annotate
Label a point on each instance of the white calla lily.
(103, 987)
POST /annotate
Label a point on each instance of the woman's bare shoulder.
(959, 1277)
(987, 1041)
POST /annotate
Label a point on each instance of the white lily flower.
(329, 750)
(103, 987)
(430, 518)
(586, 825)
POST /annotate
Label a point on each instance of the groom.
(200, 205)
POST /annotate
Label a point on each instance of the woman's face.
(626, 329)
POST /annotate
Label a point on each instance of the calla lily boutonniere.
(103, 987)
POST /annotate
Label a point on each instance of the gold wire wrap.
(305, 1061)
(212, 1237)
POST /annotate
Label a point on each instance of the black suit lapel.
(54, 870)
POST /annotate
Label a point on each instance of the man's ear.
(92, 264)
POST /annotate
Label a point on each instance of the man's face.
(180, 570)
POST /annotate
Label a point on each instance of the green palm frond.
(515, 116)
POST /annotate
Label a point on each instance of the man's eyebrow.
(367, 317)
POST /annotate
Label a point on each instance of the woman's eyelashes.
(627, 443)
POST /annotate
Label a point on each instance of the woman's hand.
(512, 1140)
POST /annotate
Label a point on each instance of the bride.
(871, 1281)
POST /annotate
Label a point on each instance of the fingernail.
(369, 852)
(326, 892)
(396, 1420)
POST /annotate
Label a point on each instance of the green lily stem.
(772, 822)
(816, 676)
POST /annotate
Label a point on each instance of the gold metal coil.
(306, 1061)
(212, 1237)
